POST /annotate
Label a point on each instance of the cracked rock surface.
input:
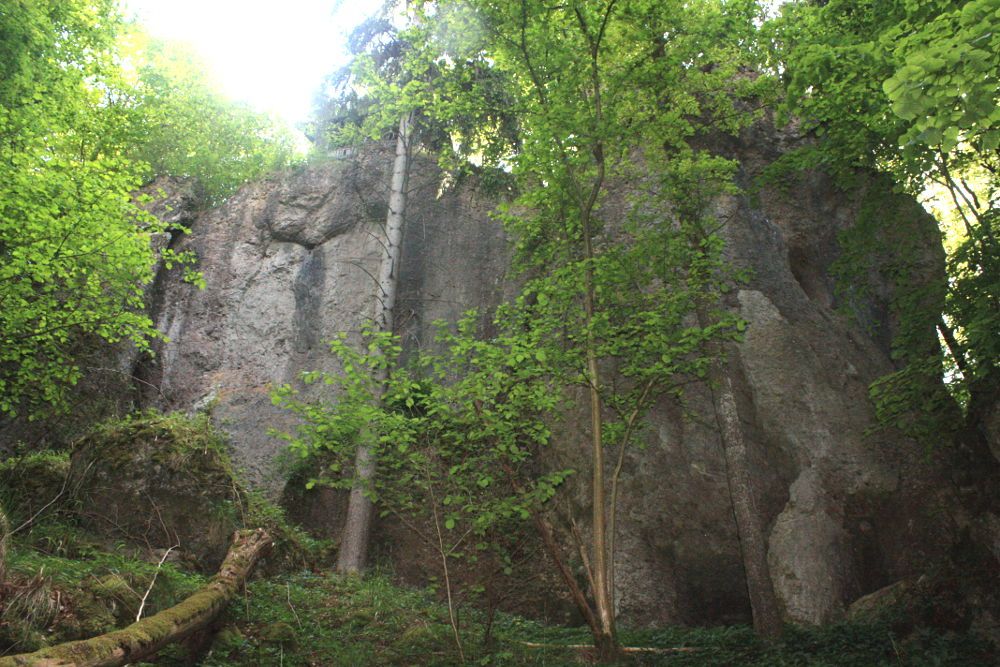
(289, 262)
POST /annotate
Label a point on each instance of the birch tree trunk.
(360, 510)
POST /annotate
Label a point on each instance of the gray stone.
(158, 483)
(289, 263)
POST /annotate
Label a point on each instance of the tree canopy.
(910, 88)
(84, 122)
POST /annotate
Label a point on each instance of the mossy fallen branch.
(146, 637)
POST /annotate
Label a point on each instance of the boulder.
(158, 482)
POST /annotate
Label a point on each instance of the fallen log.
(146, 637)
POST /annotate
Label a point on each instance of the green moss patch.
(163, 481)
(54, 598)
(31, 482)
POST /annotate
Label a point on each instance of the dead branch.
(159, 566)
(625, 649)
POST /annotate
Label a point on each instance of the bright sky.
(272, 54)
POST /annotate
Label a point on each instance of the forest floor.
(69, 589)
(64, 582)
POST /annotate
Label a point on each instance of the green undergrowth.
(293, 547)
(61, 586)
(68, 580)
(305, 618)
(310, 619)
(67, 583)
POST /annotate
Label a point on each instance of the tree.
(404, 84)
(74, 250)
(378, 50)
(753, 542)
(909, 89)
(179, 125)
(75, 138)
(454, 435)
(603, 92)
(599, 98)
(360, 510)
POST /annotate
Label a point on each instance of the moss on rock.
(32, 481)
(159, 481)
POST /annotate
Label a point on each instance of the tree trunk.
(552, 546)
(4, 537)
(360, 511)
(144, 638)
(753, 547)
(606, 640)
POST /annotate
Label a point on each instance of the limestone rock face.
(289, 263)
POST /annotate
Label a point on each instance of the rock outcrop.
(158, 482)
(289, 263)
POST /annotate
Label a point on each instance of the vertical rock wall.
(289, 263)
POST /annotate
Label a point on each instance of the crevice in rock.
(308, 288)
(812, 282)
(146, 372)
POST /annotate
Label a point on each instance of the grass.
(66, 584)
(62, 587)
(310, 619)
(305, 619)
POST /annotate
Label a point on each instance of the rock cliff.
(289, 263)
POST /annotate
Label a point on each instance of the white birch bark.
(360, 510)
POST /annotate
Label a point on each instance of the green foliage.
(184, 441)
(64, 586)
(660, 72)
(453, 434)
(300, 619)
(431, 67)
(887, 245)
(293, 548)
(455, 439)
(948, 57)
(973, 302)
(77, 138)
(29, 481)
(621, 289)
(909, 88)
(182, 127)
(74, 251)
(112, 575)
(347, 621)
(308, 619)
